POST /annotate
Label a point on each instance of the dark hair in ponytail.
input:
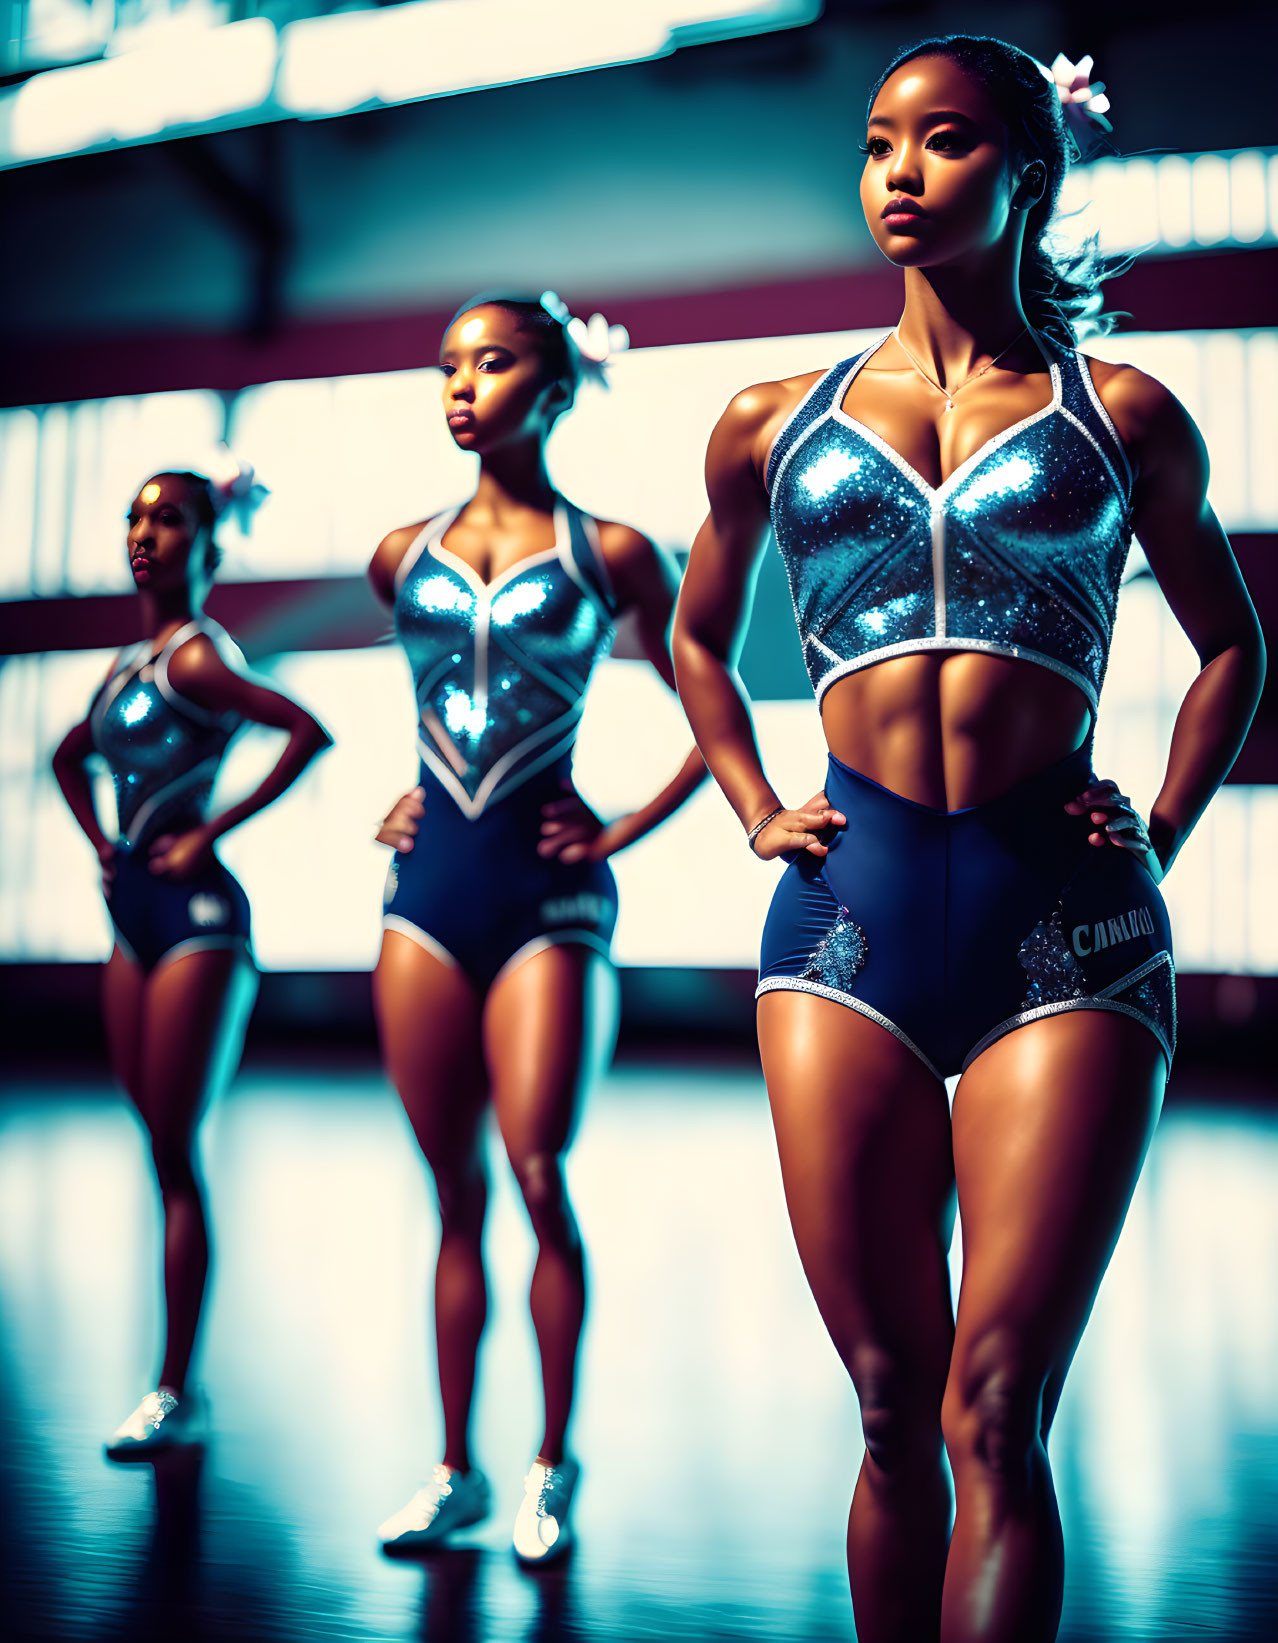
(1060, 286)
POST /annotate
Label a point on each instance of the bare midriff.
(955, 728)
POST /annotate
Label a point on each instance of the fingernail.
(405, 843)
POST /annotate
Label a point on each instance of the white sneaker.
(161, 1419)
(451, 1500)
(542, 1530)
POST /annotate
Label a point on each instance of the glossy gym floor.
(718, 1437)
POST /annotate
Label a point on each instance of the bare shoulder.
(1139, 406)
(392, 547)
(752, 420)
(195, 658)
(623, 545)
(640, 573)
(390, 555)
(764, 406)
(201, 669)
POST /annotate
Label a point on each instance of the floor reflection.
(704, 1363)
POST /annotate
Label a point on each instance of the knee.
(992, 1410)
(462, 1195)
(541, 1181)
(900, 1417)
(174, 1167)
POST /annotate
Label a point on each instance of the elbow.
(690, 654)
(307, 737)
(1243, 652)
(316, 739)
(1253, 658)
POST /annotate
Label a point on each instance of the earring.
(1032, 183)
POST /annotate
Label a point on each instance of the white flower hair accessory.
(1083, 100)
(234, 487)
(592, 343)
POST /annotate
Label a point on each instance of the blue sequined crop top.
(1019, 553)
(163, 750)
(500, 668)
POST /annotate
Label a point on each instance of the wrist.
(752, 835)
(616, 835)
(1163, 843)
(767, 804)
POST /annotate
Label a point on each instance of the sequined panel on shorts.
(1055, 975)
(1154, 995)
(839, 956)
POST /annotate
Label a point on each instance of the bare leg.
(1051, 1125)
(546, 1030)
(428, 1016)
(195, 1010)
(122, 988)
(864, 1138)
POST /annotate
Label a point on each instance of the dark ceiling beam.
(252, 211)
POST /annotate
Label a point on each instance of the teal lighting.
(178, 78)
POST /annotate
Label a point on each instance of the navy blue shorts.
(475, 893)
(950, 930)
(157, 919)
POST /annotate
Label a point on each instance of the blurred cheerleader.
(500, 903)
(180, 982)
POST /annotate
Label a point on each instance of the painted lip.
(140, 564)
(461, 419)
(901, 209)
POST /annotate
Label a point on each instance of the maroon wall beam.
(267, 618)
(1219, 290)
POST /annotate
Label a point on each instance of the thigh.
(549, 1026)
(122, 989)
(1051, 1125)
(428, 1017)
(194, 1017)
(864, 1140)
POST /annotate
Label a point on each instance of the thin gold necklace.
(972, 376)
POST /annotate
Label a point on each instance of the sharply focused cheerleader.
(500, 902)
(179, 985)
(954, 506)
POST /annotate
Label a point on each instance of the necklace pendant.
(949, 404)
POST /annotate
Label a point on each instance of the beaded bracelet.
(758, 827)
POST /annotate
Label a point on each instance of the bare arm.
(712, 615)
(400, 825)
(198, 672)
(77, 790)
(1194, 566)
